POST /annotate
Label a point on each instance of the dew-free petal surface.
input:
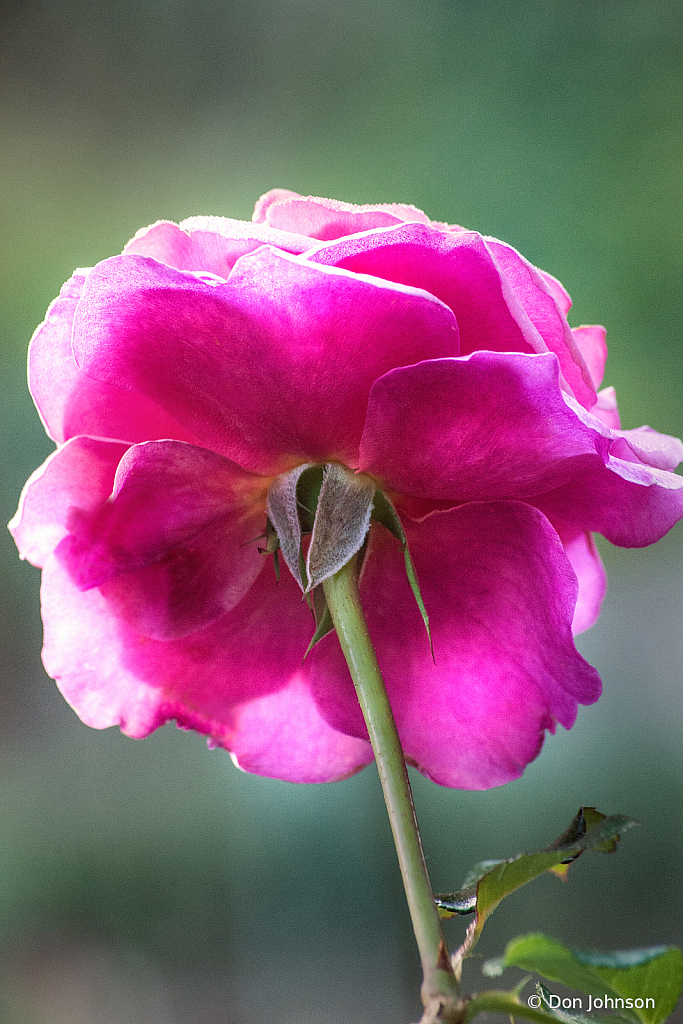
(631, 504)
(79, 474)
(238, 681)
(500, 594)
(458, 269)
(69, 402)
(501, 302)
(586, 562)
(209, 244)
(328, 218)
(271, 368)
(180, 533)
(483, 426)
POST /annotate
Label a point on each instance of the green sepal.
(272, 546)
(323, 619)
(384, 512)
(282, 507)
(655, 973)
(341, 523)
(489, 882)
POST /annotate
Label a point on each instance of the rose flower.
(183, 379)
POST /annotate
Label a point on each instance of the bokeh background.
(151, 882)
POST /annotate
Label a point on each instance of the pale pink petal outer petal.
(327, 219)
(273, 195)
(500, 594)
(277, 363)
(212, 244)
(177, 538)
(225, 681)
(654, 449)
(558, 291)
(606, 408)
(586, 562)
(81, 473)
(593, 347)
(69, 402)
(489, 425)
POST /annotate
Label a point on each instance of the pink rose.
(180, 379)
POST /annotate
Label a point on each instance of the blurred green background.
(151, 882)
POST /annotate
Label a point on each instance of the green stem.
(341, 591)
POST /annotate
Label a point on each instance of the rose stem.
(343, 600)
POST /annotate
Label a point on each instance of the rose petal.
(327, 218)
(586, 562)
(457, 268)
(531, 296)
(631, 504)
(558, 291)
(606, 408)
(212, 244)
(228, 681)
(69, 402)
(274, 195)
(272, 368)
(80, 473)
(489, 425)
(180, 531)
(500, 301)
(654, 449)
(593, 347)
(500, 594)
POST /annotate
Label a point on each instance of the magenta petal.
(79, 474)
(239, 681)
(586, 562)
(500, 301)
(474, 428)
(69, 402)
(531, 298)
(210, 244)
(271, 368)
(500, 594)
(606, 408)
(457, 268)
(180, 533)
(558, 291)
(631, 504)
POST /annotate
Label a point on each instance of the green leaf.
(384, 512)
(620, 980)
(510, 1004)
(552, 1004)
(491, 881)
